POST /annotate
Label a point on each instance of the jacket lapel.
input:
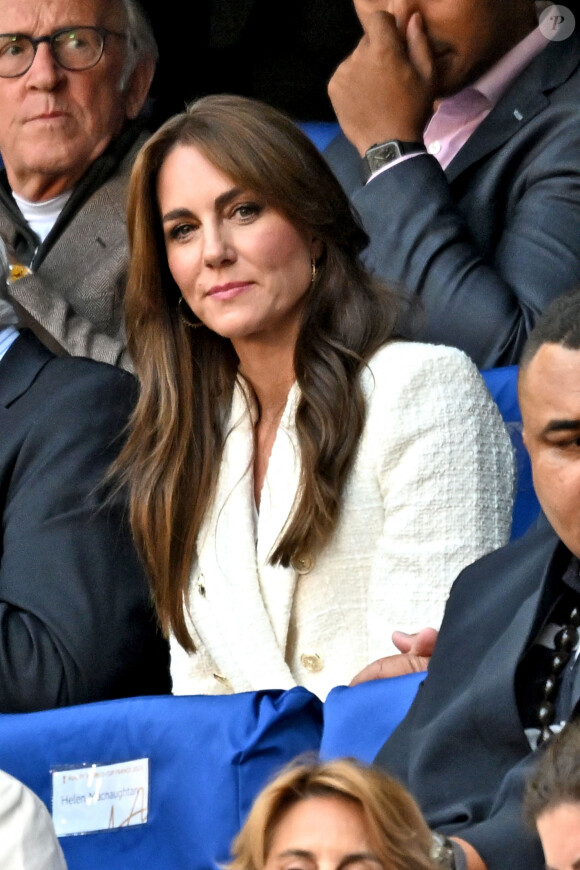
(278, 584)
(233, 617)
(498, 669)
(522, 101)
(20, 366)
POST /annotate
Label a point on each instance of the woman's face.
(241, 266)
(322, 833)
(559, 831)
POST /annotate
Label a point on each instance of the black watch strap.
(384, 153)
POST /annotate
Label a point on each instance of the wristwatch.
(442, 852)
(384, 153)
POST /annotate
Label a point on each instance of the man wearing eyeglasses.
(74, 78)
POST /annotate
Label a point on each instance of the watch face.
(387, 152)
(381, 155)
(384, 153)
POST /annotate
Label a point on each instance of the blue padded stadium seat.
(320, 132)
(502, 384)
(358, 719)
(209, 757)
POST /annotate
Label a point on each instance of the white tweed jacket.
(430, 491)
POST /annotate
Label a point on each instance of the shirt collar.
(495, 82)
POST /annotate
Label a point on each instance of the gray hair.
(141, 43)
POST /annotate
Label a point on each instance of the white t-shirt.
(41, 216)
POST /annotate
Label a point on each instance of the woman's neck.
(270, 373)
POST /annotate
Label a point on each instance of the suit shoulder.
(69, 382)
(76, 370)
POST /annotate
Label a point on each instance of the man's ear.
(137, 88)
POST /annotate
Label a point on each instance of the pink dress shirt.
(457, 117)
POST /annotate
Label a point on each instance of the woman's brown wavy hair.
(172, 455)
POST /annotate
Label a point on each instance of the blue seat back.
(358, 720)
(209, 757)
(502, 384)
(320, 132)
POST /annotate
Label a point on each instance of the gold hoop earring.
(313, 270)
(192, 324)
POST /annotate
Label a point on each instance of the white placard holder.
(100, 797)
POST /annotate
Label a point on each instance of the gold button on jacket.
(303, 564)
(312, 662)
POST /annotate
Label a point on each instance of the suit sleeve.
(482, 301)
(445, 467)
(503, 839)
(76, 624)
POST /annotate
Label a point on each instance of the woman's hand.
(416, 650)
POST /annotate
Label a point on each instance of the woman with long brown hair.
(301, 482)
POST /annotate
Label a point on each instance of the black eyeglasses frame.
(35, 41)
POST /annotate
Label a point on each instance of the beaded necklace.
(564, 642)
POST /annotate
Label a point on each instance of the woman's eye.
(180, 232)
(247, 211)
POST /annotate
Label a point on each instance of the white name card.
(100, 797)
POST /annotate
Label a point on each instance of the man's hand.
(384, 90)
(416, 650)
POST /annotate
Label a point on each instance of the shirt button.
(311, 662)
(434, 147)
(302, 564)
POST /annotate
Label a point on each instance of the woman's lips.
(229, 290)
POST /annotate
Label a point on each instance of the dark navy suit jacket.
(461, 749)
(485, 245)
(76, 623)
